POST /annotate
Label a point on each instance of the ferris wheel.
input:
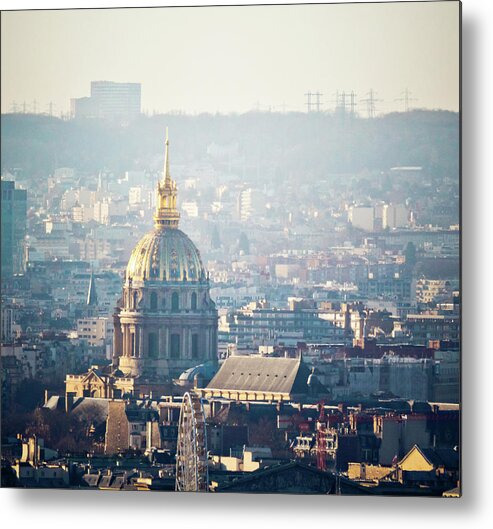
(191, 451)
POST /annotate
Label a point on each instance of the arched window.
(194, 301)
(175, 302)
(152, 349)
(134, 300)
(153, 301)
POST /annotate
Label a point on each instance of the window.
(153, 348)
(195, 345)
(153, 301)
(175, 346)
(175, 303)
(194, 301)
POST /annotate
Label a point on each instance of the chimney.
(69, 401)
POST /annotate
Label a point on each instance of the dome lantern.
(166, 253)
(167, 215)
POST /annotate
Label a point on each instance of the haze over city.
(235, 59)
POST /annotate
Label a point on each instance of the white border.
(104, 509)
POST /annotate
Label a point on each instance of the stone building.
(165, 321)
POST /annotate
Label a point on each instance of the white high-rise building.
(395, 216)
(362, 217)
(109, 100)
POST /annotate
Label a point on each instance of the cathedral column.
(186, 343)
(117, 338)
(133, 340)
(207, 343)
(161, 343)
(141, 341)
(125, 340)
(213, 351)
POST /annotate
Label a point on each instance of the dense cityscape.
(286, 282)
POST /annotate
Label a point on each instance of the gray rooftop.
(261, 374)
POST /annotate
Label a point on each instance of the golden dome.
(165, 254)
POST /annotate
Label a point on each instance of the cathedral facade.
(165, 321)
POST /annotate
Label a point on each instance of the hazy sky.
(235, 58)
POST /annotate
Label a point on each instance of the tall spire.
(92, 297)
(167, 215)
(167, 176)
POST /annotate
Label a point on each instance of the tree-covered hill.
(291, 144)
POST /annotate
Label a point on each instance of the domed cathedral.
(165, 321)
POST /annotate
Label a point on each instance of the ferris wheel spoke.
(191, 455)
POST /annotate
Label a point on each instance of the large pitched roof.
(438, 457)
(446, 457)
(293, 477)
(262, 374)
(96, 409)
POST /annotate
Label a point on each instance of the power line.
(344, 100)
(407, 99)
(370, 101)
(340, 102)
(352, 103)
(308, 103)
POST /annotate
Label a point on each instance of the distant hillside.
(288, 145)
